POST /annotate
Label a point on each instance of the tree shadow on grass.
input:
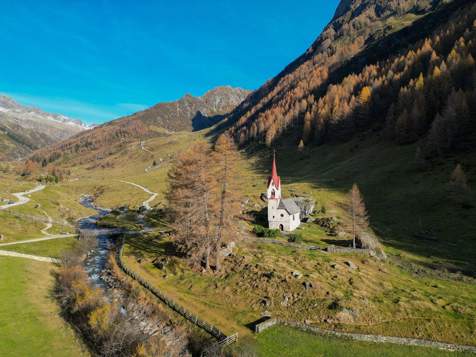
(339, 242)
(146, 245)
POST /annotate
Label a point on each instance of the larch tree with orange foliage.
(191, 204)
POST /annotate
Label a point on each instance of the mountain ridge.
(192, 113)
(24, 128)
(188, 113)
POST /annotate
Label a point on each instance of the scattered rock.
(2, 237)
(285, 301)
(345, 316)
(228, 250)
(334, 305)
(333, 265)
(269, 275)
(296, 274)
(351, 265)
(307, 285)
(265, 302)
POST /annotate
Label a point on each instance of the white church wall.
(278, 217)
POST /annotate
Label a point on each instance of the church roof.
(274, 174)
(289, 205)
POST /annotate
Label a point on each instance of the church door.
(281, 227)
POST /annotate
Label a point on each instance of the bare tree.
(227, 157)
(358, 212)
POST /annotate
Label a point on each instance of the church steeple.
(274, 172)
(274, 182)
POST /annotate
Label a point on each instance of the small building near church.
(283, 214)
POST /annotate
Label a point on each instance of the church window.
(282, 215)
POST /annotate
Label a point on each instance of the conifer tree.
(191, 204)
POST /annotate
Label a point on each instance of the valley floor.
(405, 296)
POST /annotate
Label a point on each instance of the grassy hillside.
(412, 294)
(403, 199)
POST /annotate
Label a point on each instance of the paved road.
(22, 197)
(153, 196)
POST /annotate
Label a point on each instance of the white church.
(283, 214)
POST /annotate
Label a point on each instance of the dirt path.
(22, 197)
(34, 240)
(6, 253)
(142, 146)
(48, 224)
(152, 197)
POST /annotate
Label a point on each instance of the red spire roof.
(274, 174)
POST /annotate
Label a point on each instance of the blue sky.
(96, 60)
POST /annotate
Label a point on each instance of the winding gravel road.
(152, 197)
(22, 197)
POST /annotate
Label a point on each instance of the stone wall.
(265, 325)
(381, 339)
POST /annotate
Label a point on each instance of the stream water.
(96, 260)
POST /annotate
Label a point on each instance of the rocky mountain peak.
(24, 128)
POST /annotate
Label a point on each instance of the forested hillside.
(405, 69)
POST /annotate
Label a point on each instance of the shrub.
(295, 238)
(261, 231)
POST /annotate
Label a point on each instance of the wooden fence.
(209, 328)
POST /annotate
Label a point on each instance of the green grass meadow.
(287, 342)
(30, 324)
